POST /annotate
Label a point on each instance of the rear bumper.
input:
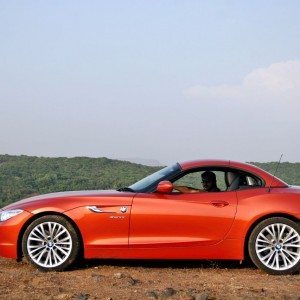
(9, 234)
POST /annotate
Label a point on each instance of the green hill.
(24, 176)
(288, 172)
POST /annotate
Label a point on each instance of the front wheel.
(274, 246)
(51, 243)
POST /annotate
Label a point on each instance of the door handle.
(219, 203)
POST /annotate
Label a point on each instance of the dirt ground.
(103, 279)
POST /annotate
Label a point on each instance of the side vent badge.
(123, 209)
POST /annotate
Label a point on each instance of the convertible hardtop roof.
(267, 177)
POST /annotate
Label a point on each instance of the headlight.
(7, 214)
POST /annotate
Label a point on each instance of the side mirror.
(165, 186)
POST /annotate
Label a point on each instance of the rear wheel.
(274, 246)
(51, 243)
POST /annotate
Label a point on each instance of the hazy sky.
(167, 80)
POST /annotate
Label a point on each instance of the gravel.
(183, 280)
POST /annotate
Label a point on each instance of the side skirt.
(226, 249)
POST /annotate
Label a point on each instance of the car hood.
(63, 201)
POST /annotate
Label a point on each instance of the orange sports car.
(206, 209)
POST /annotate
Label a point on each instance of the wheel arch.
(42, 214)
(254, 224)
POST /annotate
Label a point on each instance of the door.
(181, 219)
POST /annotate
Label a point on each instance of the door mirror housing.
(165, 186)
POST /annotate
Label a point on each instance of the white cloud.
(278, 82)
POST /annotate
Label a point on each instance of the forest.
(24, 176)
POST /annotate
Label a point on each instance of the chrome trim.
(96, 209)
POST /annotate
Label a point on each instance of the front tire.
(274, 246)
(51, 243)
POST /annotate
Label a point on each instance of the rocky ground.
(145, 280)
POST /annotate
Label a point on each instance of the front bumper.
(9, 234)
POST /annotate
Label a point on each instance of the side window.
(221, 180)
(226, 179)
(193, 180)
(249, 181)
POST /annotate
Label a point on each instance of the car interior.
(227, 179)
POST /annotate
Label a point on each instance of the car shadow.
(164, 264)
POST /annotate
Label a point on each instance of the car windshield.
(155, 177)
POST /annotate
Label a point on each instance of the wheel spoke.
(65, 239)
(62, 244)
(41, 254)
(282, 231)
(50, 229)
(293, 245)
(277, 260)
(42, 232)
(271, 256)
(263, 249)
(53, 230)
(265, 240)
(291, 253)
(284, 259)
(37, 236)
(51, 256)
(271, 233)
(48, 259)
(57, 258)
(290, 238)
(35, 239)
(39, 233)
(59, 234)
(36, 249)
(274, 231)
(62, 250)
(267, 256)
(287, 236)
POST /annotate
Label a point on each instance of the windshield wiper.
(125, 189)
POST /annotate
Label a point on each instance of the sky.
(167, 80)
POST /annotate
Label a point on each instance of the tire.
(51, 243)
(274, 246)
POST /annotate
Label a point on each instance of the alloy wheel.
(278, 246)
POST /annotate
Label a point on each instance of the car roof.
(267, 177)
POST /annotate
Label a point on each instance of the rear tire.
(51, 243)
(274, 246)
